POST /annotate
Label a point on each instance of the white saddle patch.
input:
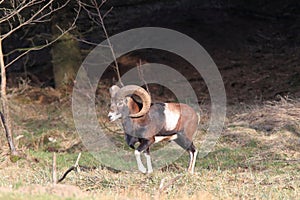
(172, 118)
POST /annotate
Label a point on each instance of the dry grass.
(236, 183)
(272, 116)
(257, 157)
(275, 125)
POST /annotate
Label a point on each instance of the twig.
(36, 48)
(75, 167)
(163, 186)
(110, 45)
(141, 75)
(27, 21)
(100, 22)
(65, 174)
(54, 177)
(76, 163)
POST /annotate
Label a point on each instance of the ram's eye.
(119, 104)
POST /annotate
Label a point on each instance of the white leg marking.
(149, 164)
(194, 161)
(190, 162)
(193, 158)
(141, 167)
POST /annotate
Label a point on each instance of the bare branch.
(51, 12)
(141, 75)
(36, 48)
(90, 14)
(107, 12)
(100, 22)
(90, 43)
(17, 10)
(28, 21)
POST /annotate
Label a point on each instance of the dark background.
(255, 44)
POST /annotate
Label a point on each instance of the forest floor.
(256, 157)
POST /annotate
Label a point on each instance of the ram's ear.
(113, 90)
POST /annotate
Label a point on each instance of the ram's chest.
(172, 115)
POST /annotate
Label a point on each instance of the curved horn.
(139, 91)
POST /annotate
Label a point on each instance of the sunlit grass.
(246, 163)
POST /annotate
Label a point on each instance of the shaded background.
(255, 44)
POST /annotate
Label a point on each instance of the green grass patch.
(248, 156)
(64, 160)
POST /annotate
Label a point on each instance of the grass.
(20, 196)
(246, 163)
(223, 174)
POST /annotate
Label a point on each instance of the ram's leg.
(141, 167)
(148, 159)
(193, 157)
(185, 143)
(142, 148)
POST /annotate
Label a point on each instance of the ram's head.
(120, 101)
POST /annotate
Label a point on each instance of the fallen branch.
(75, 167)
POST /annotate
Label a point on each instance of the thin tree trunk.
(66, 60)
(5, 114)
(66, 55)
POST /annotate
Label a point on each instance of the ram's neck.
(128, 125)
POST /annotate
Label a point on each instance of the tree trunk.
(5, 114)
(66, 55)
